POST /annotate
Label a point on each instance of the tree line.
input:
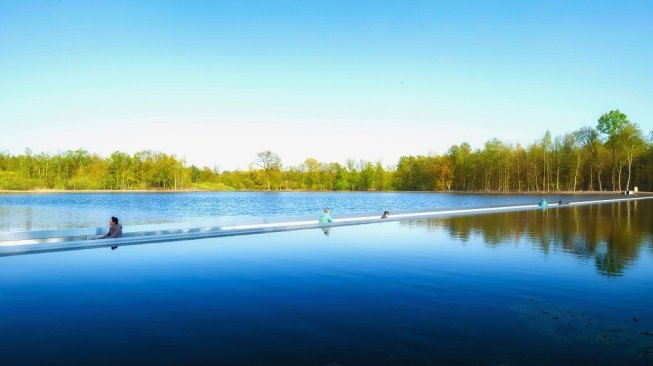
(614, 155)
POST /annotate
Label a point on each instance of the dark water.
(559, 286)
(24, 212)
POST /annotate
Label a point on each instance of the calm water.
(572, 285)
(24, 212)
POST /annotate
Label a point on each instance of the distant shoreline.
(47, 191)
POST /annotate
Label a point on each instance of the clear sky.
(218, 81)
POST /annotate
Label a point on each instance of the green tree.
(269, 162)
(311, 170)
(611, 124)
(461, 161)
(590, 144)
(634, 145)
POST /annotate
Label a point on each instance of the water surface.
(557, 286)
(25, 212)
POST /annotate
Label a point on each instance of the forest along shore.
(598, 158)
(46, 191)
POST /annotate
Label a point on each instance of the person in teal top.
(543, 203)
(326, 216)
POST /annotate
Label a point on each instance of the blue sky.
(215, 81)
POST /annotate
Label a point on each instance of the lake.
(568, 285)
(25, 212)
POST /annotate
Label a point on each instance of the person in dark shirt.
(115, 229)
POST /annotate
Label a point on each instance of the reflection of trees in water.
(611, 234)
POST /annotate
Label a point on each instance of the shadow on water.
(612, 235)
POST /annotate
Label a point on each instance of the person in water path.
(115, 229)
(385, 214)
(326, 216)
(543, 203)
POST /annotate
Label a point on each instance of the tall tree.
(634, 145)
(611, 124)
(311, 170)
(460, 158)
(546, 170)
(269, 162)
(590, 142)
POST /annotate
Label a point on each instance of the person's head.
(113, 221)
(327, 210)
(386, 213)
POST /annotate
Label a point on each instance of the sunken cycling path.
(14, 243)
